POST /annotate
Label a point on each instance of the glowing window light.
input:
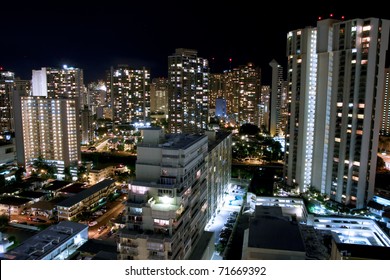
(367, 28)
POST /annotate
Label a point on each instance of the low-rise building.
(69, 208)
(97, 175)
(272, 236)
(57, 242)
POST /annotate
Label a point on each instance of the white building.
(336, 77)
(57, 242)
(168, 203)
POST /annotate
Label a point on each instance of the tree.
(82, 173)
(19, 174)
(4, 219)
(249, 129)
(68, 175)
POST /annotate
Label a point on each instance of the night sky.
(94, 37)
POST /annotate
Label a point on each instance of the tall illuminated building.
(66, 82)
(243, 90)
(6, 88)
(47, 120)
(264, 110)
(128, 91)
(336, 78)
(385, 124)
(301, 77)
(159, 96)
(87, 128)
(216, 88)
(276, 102)
(47, 128)
(188, 103)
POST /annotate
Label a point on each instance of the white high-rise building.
(180, 180)
(336, 77)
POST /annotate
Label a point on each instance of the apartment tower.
(6, 88)
(188, 104)
(174, 193)
(385, 124)
(336, 77)
(128, 91)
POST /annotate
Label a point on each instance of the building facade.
(169, 201)
(188, 104)
(48, 129)
(219, 162)
(6, 88)
(385, 124)
(242, 90)
(85, 200)
(276, 101)
(128, 91)
(336, 78)
(66, 82)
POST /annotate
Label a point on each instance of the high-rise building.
(264, 110)
(220, 108)
(219, 162)
(385, 124)
(180, 179)
(159, 96)
(128, 91)
(6, 88)
(87, 128)
(66, 82)
(47, 128)
(188, 104)
(276, 102)
(243, 89)
(301, 77)
(216, 88)
(336, 78)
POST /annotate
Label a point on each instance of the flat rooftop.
(86, 193)
(45, 241)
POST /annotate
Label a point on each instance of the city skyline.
(94, 38)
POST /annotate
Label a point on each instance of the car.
(92, 223)
(224, 234)
(229, 225)
(230, 220)
(101, 228)
(14, 221)
(223, 240)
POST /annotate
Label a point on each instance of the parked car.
(101, 228)
(92, 223)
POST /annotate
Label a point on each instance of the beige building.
(97, 175)
(168, 204)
